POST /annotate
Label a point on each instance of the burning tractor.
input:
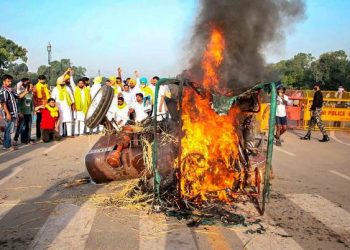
(204, 151)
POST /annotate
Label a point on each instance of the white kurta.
(133, 92)
(123, 115)
(63, 107)
(128, 98)
(140, 111)
(161, 93)
(94, 89)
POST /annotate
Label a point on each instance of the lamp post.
(49, 60)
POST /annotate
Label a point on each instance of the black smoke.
(248, 26)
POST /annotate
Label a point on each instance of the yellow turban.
(113, 79)
(66, 77)
(60, 80)
(132, 82)
(98, 79)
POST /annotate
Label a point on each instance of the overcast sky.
(148, 35)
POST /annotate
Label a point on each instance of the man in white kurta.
(65, 103)
(122, 112)
(82, 102)
(140, 108)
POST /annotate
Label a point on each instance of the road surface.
(309, 206)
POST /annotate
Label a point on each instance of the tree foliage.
(10, 52)
(303, 70)
(57, 68)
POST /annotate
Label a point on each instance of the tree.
(10, 52)
(332, 69)
(296, 72)
(19, 71)
(58, 68)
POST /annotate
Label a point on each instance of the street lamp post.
(49, 60)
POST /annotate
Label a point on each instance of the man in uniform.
(316, 111)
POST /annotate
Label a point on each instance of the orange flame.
(212, 58)
(209, 146)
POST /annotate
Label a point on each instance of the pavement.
(309, 206)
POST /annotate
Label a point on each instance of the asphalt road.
(309, 206)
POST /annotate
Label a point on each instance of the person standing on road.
(316, 111)
(281, 114)
(41, 94)
(82, 102)
(50, 121)
(65, 103)
(9, 109)
(25, 111)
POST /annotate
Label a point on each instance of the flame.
(209, 145)
(212, 58)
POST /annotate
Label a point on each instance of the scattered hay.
(127, 194)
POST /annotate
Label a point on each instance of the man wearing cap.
(316, 111)
(65, 102)
(148, 94)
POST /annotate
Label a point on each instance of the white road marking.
(332, 134)
(283, 151)
(68, 227)
(51, 148)
(14, 171)
(340, 174)
(6, 207)
(331, 215)
(156, 234)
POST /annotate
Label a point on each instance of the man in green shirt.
(25, 114)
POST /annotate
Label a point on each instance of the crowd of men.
(61, 112)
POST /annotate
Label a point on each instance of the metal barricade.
(335, 111)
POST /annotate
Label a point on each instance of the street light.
(49, 59)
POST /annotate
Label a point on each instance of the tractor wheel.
(99, 107)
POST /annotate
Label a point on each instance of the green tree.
(58, 68)
(332, 69)
(296, 72)
(19, 71)
(10, 52)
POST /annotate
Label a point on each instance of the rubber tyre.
(102, 107)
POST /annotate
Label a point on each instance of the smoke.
(248, 27)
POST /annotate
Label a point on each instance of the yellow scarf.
(121, 106)
(53, 111)
(147, 91)
(39, 87)
(63, 93)
(79, 105)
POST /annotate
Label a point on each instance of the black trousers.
(49, 135)
(38, 121)
(24, 128)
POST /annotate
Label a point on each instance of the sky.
(147, 35)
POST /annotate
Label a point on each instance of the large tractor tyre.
(99, 107)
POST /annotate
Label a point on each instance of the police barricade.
(335, 111)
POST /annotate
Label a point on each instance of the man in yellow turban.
(65, 102)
